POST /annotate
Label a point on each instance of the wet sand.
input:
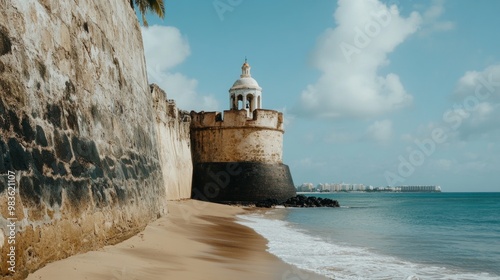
(195, 240)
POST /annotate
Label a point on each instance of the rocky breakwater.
(300, 201)
(78, 138)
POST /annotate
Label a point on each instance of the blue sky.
(374, 92)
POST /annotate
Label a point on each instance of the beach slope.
(195, 240)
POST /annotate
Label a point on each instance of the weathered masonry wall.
(234, 138)
(172, 134)
(237, 159)
(77, 127)
(242, 182)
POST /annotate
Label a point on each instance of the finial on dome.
(245, 69)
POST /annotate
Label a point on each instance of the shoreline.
(195, 240)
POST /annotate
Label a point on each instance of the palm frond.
(158, 7)
(155, 6)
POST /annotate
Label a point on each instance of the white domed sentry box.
(245, 93)
(237, 155)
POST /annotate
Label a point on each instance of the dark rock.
(54, 114)
(299, 201)
(77, 169)
(28, 132)
(14, 121)
(310, 201)
(3, 184)
(29, 195)
(98, 194)
(3, 123)
(42, 70)
(124, 170)
(62, 146)
(5, 44)
(77, 192)
(3, 150)
(144, 169)
(2, 165)
(96, 173)
(131, 172)
(133, 156)
(62, 169)
(37, 160)
(51, 190)
(40, 137)
(85, 150)
(72, 121)
(108, 167)
(7, 162)
(267, 203)
(94, 110)
(70, 87)
(330, 203)
(48, 157)
(20, 158)
(109, 161)
(126, 161)
(58, 168)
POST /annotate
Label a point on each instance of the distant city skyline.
(350, 187)
(386, 92)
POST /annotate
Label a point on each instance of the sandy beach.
(195, 240)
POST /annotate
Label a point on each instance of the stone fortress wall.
(173, 137)
(78, 130)
(232, 137)
(237, 156)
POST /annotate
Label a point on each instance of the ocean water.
(389, 236)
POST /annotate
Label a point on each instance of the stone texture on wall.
(239, 159)
(172, 134)
(77, 128)
(234, 138)
(261, 118)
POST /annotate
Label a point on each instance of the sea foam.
(299, 248)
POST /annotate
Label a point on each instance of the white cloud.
(350, 57)
(477, 104)
(380, 131)
(484, 85)
(183, 90)
(475, 111)
(165, 48)
(481, 121)
(431, 19)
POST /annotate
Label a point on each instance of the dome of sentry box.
(245, 81)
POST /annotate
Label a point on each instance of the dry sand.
(196, 240)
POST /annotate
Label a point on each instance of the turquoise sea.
(389, 236)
